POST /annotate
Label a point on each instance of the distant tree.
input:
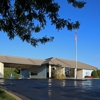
(23, 17)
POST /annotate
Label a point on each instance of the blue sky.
(63, 45)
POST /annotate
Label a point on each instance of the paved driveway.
(48, 89)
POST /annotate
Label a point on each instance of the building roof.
(18, 61)
(56, 61)
(68, 63)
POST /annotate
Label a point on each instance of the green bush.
(94, 74)
(9, 71)
(98, 71)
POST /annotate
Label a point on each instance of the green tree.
(23, 17)
(94, 74)
(98, 71)
(13, 71)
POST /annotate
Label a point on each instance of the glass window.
(34, 73)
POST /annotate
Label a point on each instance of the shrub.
(8, 71)
(98, 71)
(94, 74)
(58, 76)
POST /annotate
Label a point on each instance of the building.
(38, 68)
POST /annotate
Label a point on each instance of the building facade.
(37, 68)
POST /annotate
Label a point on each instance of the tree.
(98, 71)
(94, 74)
(18, 18)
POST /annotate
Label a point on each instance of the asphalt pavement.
(52, 89)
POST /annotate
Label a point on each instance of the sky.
(63, 45)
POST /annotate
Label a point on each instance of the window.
(34, 73)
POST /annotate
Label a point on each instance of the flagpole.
(75, 54)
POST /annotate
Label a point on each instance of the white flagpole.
(75, 54)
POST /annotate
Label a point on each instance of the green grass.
(8, 71)
(5, 96)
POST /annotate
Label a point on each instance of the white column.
(29, 74)
(49, 71)
(75, 73)
(1, 70)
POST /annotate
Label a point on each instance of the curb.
(15, 95)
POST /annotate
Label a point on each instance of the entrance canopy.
(17, 62)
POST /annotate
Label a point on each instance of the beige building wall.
(63, 70)
(1, 70)
(72, 72)
(80, 73)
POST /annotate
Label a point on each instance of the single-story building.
(38, 68)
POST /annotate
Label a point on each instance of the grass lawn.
(5, 96)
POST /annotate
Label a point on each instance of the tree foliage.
(98, 71)
(94, 74)
(8, 71)
(24, 17)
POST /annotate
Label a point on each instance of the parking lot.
(51, 89)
